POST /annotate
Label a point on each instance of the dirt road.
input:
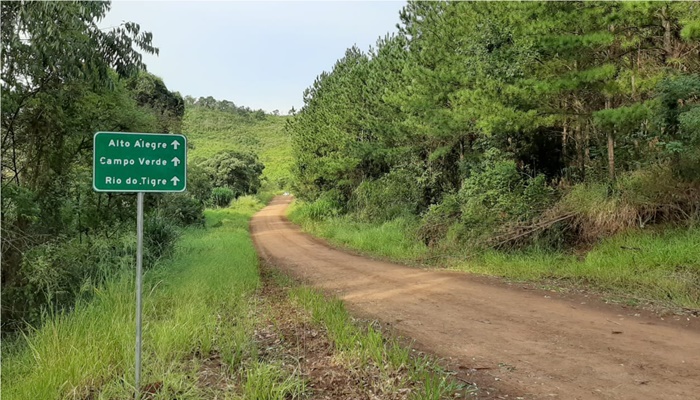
(525, 343)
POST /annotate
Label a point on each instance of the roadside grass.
(271, 382)
(392, 239)
(202, 314)
(368, 348)
(652, 266)
(660, 266)
(195, 305)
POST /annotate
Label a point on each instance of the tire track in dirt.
(524, 343)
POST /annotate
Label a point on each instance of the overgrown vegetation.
(196, 305)
(509, 127)
(205, 333)
(650, 266)
(60, 239)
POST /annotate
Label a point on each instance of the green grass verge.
(646, 265)
(392, 239)
(271, 382)
(367, 348)
(652, 266)
(195, 305)
(199, 306)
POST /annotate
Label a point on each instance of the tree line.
(484, 118)
(64, 77)
(211, 103)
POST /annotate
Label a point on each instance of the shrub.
(499, 193)
(395, 194)
(240, 171)
(159, 235)
(182, 208)
(661, 194)
(52, 275)
(638, 198)
(437, 220)
(329, 204)
(598, 211)
(495, 196)
(199, 184)
(18, 202)
(222, 196)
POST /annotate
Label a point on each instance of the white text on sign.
(111, 180)
(141, 161)
(140, 143)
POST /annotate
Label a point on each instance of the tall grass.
(270, 382)
(393, 239)
(194, 306)
(652, 265)
(198, 306)
(662, 267)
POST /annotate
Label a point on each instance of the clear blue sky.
(260, 54)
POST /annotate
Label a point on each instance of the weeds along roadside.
(655, 265)
(195, 304)
(201, 316)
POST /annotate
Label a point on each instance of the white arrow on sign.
(175, 180)
(175, 143)
(175, 161)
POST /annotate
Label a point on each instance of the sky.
(259, 54)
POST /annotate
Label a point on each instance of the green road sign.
(139, 162)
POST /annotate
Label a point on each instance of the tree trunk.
(611, 156)
(564, 134)
(586, 148)
(666, 24)
(564, 139)
(611, 146)
(581, 149)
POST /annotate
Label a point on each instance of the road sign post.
(139, 274)
(139, 163)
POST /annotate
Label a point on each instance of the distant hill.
(212, 130)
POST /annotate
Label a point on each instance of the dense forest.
(60, 239)
(508, 124)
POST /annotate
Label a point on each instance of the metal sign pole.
(132, 162)
(139, 257)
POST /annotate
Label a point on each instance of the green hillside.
(210, 131)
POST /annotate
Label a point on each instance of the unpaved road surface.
(524, 343)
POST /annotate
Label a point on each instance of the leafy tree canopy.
(239, 171)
